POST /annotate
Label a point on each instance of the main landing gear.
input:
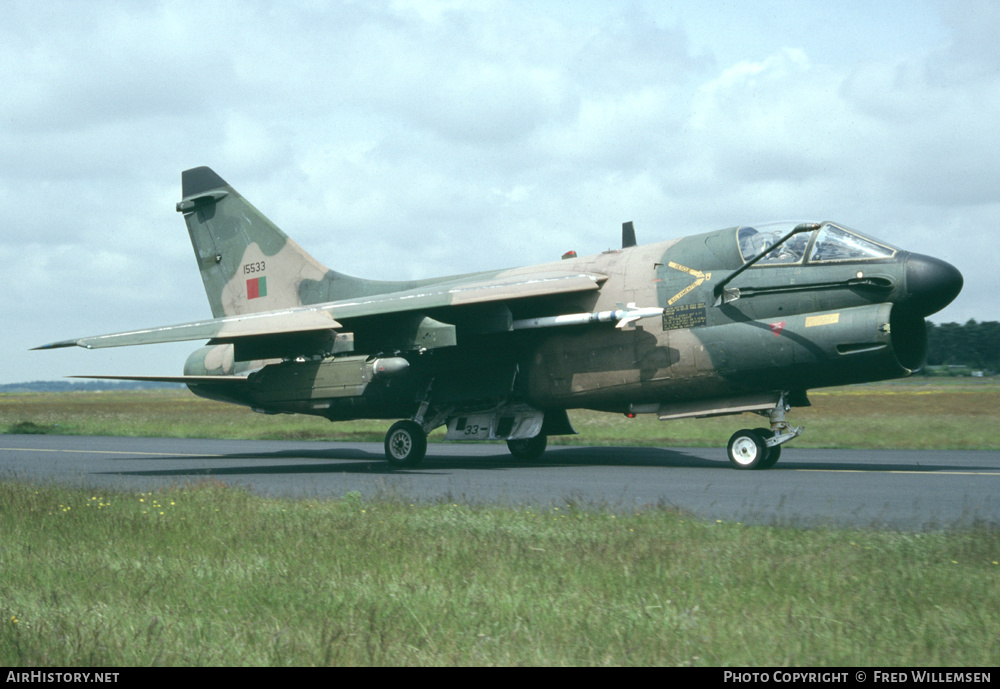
(760, 448)
(405, 444)
(406, 441)
(528, 449)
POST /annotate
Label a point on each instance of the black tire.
(746, 449)
(528, 449)
(405, 444)
(772, 454)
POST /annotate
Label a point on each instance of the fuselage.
(831, 307)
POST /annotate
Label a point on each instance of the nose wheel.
(760, 448)
(747, 449)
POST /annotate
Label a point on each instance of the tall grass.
(211, 575)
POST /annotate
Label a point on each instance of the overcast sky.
(413, 139)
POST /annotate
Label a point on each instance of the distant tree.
(974, 344)
(82, 386)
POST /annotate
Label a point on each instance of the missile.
(624, 316)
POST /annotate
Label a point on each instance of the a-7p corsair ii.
(737, 320)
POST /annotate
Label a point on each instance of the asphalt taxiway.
(903, 489)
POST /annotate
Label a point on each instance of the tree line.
(976, 345)
(81, 386)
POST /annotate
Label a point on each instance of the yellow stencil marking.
(828, 319)
(699, 276)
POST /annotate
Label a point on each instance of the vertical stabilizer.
(247, 264)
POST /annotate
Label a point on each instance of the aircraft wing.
(323, 316)
(230, 327)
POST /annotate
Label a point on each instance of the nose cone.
(931, 284)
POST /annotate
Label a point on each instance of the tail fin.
(248, 264)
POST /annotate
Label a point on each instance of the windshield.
(837, 244)
(829, 243)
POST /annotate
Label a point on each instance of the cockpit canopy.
(830, 243)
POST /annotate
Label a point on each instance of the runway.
(902, 489)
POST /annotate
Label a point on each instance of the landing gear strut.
(773, 452)
(760, 448)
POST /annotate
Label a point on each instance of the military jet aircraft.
(738, 320)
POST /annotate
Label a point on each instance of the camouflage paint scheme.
(290, 335)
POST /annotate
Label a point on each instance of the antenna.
(628, 234)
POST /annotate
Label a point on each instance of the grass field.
(922, 413)
(212, 575)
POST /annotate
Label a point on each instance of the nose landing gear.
(760, 448)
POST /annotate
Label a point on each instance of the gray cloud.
(409, 139)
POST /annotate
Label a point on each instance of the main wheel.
(771, 454)
(528, 449)
(405, 444)
(747, 449)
